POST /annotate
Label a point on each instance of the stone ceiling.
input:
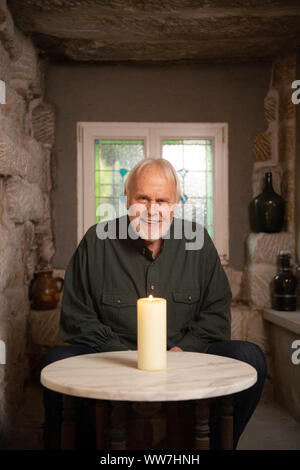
(160, 30)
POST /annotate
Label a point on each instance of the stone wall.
(274, 150)
(26, 240)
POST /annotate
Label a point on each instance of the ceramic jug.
(44, 290)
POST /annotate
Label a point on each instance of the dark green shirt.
(105, 277)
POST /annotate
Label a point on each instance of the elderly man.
(109, 271)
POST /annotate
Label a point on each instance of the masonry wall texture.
(255, 99)
(26, 240)
(297, 172)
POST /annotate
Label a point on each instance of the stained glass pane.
(114, 158)
(193, 160)
(195, 184)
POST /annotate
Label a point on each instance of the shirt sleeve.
(79, 322)
(213, 320)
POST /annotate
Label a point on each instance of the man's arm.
(79, 322)
(213, 321)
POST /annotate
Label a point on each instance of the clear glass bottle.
(284, 285)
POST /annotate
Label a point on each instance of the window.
(199, 153)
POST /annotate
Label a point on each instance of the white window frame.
(153, 134)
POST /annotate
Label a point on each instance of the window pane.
(114, 158)
(193, 160)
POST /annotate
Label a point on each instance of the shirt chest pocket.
(185, 305)
(119, 311)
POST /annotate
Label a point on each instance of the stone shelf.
(44, 326)
(284, 331)
(288, 320)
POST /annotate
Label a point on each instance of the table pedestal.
(116, 423)
(148, 411)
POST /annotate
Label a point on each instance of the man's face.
(151, 203)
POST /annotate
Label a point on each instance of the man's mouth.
(151, 222)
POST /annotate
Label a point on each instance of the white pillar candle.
(152, 333)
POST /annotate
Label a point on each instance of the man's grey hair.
(161, 163)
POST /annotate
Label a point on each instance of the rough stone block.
(44, 327)
(290, 216)
(4, 63)
(257, 284)
(8, 32)
(237, 321)
(1, 198)
(271, 105)
(24, 68)
(288, 184)
(287, 142)
(12, 114)
(13, 158)
(263, 147)
(284, 71)
(28, 247)
(234, 279)
(43, 124)
(27, 237)
(265, 247)
(13, 330)
(287, 109)
(8, 254)
(38, 84)
(35, 173)
(30, 259)
(256, 331)
(24, 201)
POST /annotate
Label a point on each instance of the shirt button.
(144, 251)
(152, 287)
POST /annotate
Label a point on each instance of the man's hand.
(175, 348)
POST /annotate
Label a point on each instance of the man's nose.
(152, 208)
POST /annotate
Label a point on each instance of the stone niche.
(26, 239)
(274, 151)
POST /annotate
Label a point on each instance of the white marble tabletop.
(114, 376)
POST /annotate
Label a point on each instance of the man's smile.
(150, 222)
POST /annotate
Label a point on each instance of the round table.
(114, 376)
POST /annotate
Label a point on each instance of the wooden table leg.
(118, 419)
(226, 423)
(68, 426)
(101, 408)
(173, 431)
(202, 429)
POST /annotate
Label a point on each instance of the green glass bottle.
(268, 209)
(284, 285)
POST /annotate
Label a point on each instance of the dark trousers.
(244, 403)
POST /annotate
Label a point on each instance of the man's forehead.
(153, 176)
